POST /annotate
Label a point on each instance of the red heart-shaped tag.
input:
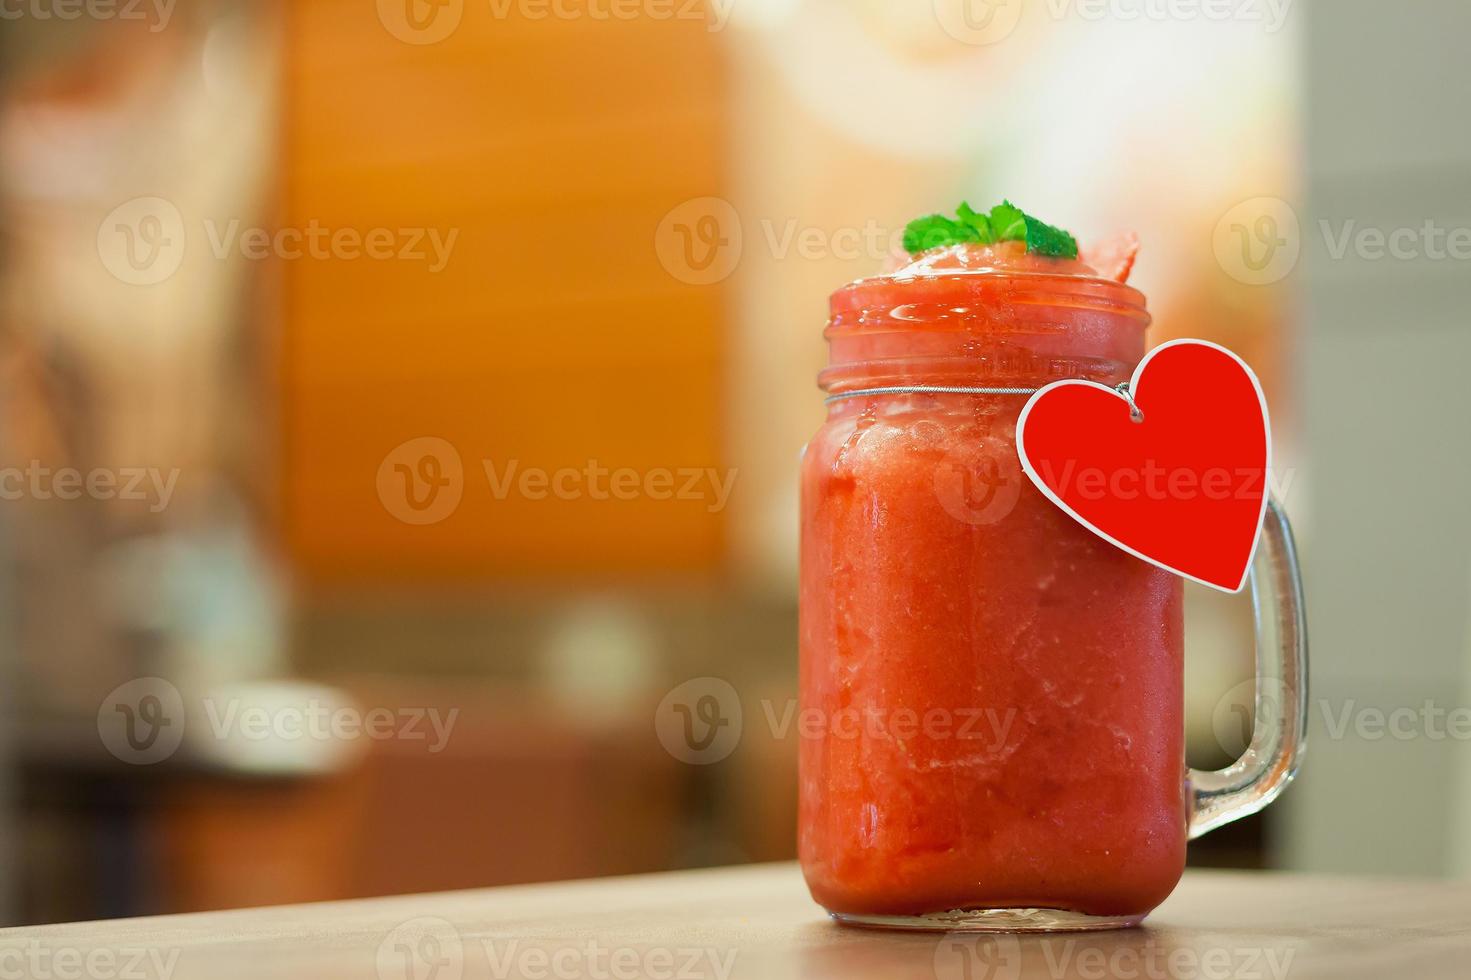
(1185, 486)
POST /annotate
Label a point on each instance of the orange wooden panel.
(230, 843)
(656, 163)
(547, 338)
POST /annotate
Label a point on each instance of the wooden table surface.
(759, 922)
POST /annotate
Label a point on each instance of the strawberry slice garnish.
(1113, 258)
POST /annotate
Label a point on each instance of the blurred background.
(399, 407)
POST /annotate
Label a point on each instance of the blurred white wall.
(1385, 360)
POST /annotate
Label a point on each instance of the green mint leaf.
(1004, 223)
(1009, 223)
(979, 222)
(935, 231)
(1044, 239)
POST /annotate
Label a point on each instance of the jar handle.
(1280, 733)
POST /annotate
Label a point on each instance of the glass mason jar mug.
(1003, 737)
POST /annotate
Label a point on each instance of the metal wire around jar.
(928, 390)
(1123, 389)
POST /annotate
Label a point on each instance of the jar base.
(992, 920)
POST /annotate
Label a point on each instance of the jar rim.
(1042, 289)
(987, 329)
